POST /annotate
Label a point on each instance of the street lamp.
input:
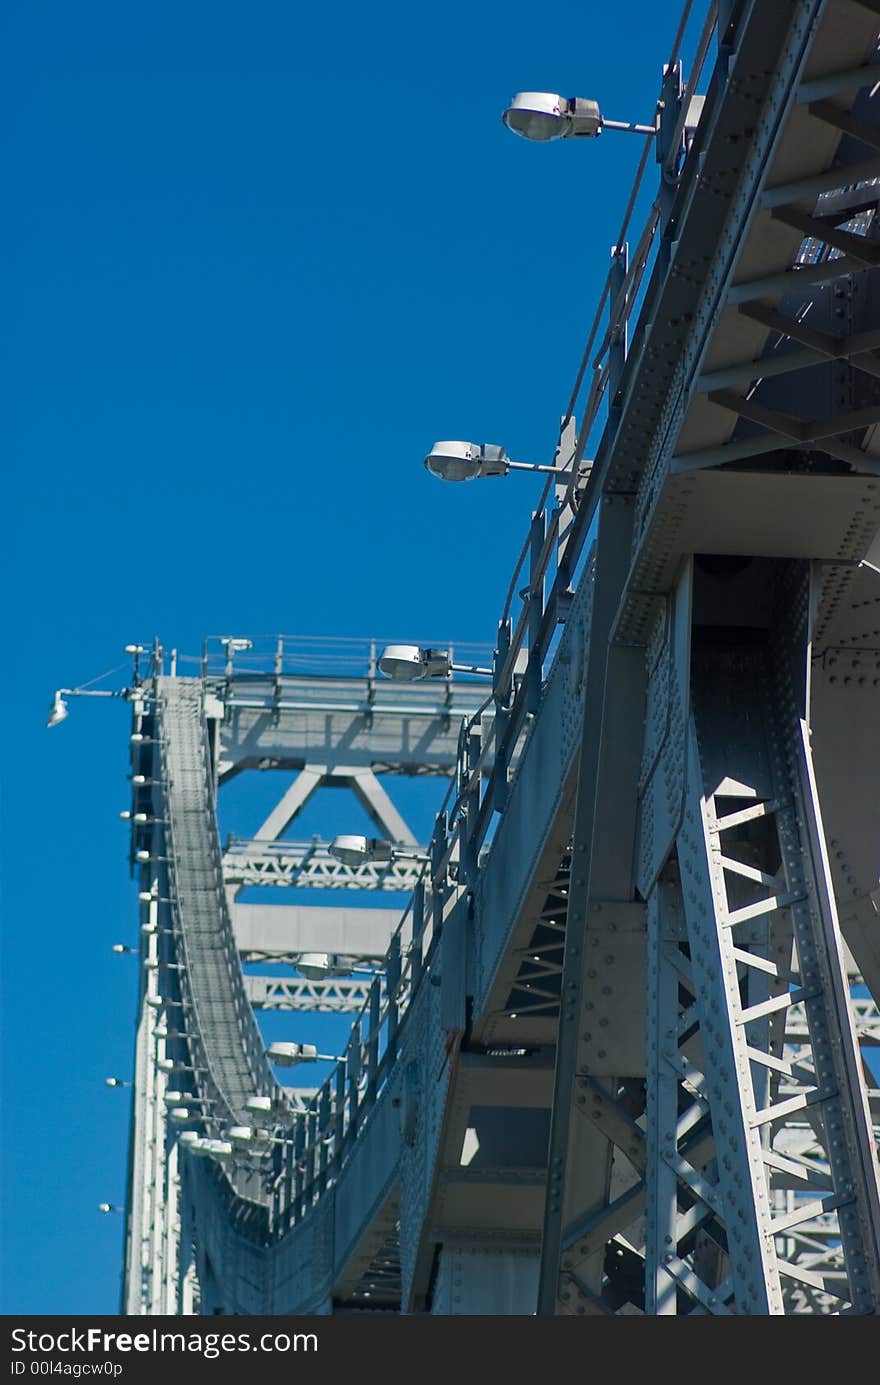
(465, 461)
(288, 1055)
(357, 851)
(106, 1207)
(407, 663)
(316, 966)
(543, 115)
(215, 1149)
(265, 1108)
(116, 1082)
(248, 1136)
(58, 710)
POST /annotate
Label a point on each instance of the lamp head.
(288, 1055)
(240, 1134)
(355, 851)
(315, 966)
(58, 710)
(543, 115)
(406, 663)
(465, 461)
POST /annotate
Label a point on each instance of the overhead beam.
(805, 430)
(866, 252)
(794, 279)
(850, 79)
(846, 122)
(803, 189)
(341, 996)
(265, 929)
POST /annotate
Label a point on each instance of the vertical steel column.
(324, 1133)
(612, 564)
(311, 1155)
(670, 101)
(339, 1127)
(534, 667)
(438, 851)
(661, 1188)
(373, 1043)
(762, 945)
(353, 1064)
(299, 1151)
(418, 928)
(618, 345)
(471, 808)
(502, 716)
(392, 986)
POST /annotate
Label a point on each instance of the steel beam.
(266, 931)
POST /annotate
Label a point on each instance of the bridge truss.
(615, 1055)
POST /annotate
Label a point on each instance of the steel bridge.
(614, 1055)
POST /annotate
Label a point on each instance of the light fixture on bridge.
(249, 1136)
(58, 710)
(265, 1108)
(214, 1149)
(240, 1134)
(158, 1002)
(135, 649)
(543, 115)
(181, 1114)
(174, 1065)
(408, 663)
(106, 1207)
(466, 461)
(288, 1055)
(234, 644)
(316, 966)
(122, 948)
(116, 1082)
(354, 851)
(139, 818)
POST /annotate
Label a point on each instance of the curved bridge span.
(615, 1054)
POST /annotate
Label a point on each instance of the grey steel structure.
(617, 1056)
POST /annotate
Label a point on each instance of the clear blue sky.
(257, 260)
